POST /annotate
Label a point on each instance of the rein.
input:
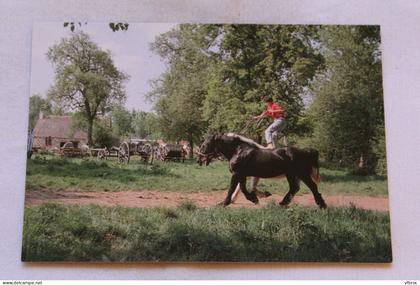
(206, 156)
(248, 125)
(209, 156)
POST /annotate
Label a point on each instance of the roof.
(57, 127)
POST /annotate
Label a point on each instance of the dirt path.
(149, 199)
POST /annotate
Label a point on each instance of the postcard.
(172, 142)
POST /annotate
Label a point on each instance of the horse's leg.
(293, 189)
(314, 188)
(250, 196)
(236, 193)
(233, 183)
(254, 183)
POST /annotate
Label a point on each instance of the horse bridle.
(207, 156)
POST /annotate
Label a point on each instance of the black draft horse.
(247, 158)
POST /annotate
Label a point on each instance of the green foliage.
(102, 135)
(121, 121)
(327, 78)
(62, 174)
(86, 79)
(347, 111)
(259, 60)
(37, 104)
(91, 233)
(180, 91)
(218, 74)
(119, 124)
(78, 121)
(145, 125)
(380, 153)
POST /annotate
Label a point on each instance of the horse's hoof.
(284, 205)
(323, 206)
(253, 197)
(222, 204)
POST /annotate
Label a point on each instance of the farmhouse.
(52, 132)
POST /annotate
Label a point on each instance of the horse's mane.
(245, 140)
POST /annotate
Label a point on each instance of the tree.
(259, 60)
(145, 125)
(217, 75)
(179, 92)
(37, 104)
(86, 79)
(348, 110)
(102, 134)
(121, 121)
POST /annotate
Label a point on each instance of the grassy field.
(64, 174)
(91, 233)
(54, 232)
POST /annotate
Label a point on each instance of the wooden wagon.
(165, 152)
(144, 148)
(69, 150)
(122, 152)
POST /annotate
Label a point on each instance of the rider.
(275, 111)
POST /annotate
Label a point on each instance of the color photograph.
(171, 142)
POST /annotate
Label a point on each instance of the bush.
(102, 135)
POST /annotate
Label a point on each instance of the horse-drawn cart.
(148, 150)
(69, 150)
(174, 152)
(122, 152)
(144, 148)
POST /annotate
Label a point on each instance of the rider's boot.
(270, 146)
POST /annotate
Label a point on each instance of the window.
(48, 141)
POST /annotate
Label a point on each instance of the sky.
(130, 51)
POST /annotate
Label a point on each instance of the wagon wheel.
(152, 155)
(123, 157)
(148, 149)
(164, 153)
(124, 153)
(155, 153)
(159, 154)
(102, 154)
(143, 152)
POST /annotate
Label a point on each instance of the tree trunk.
(190, 141)
(89, 132)
(89, 117)
(361, 162)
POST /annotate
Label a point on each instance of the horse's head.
(208, 150)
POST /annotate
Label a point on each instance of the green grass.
(75, 174)
(55, 232)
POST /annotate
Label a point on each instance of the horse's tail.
(314, 160)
